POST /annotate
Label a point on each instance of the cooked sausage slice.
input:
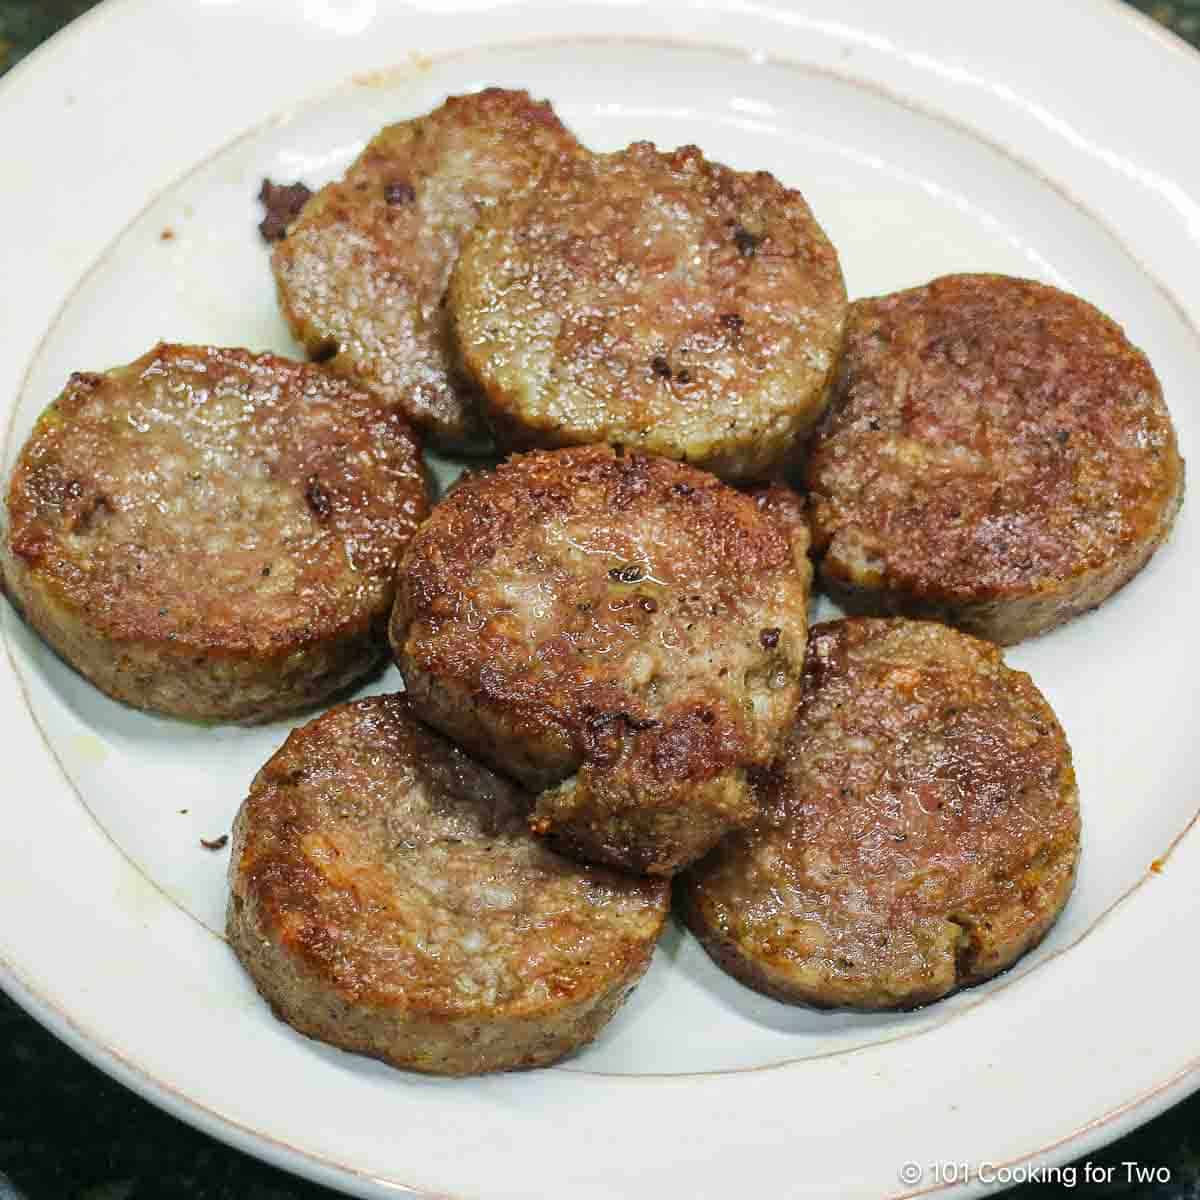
(654, 300)
(997, 455)
(362, 273)
(211, 533)
(387, 897)
(622, 633)
(919, 833)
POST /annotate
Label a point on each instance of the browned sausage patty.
(388, 898)
(623, 633)
(997, 455)
(213, 534)
(919, 833)
(657, 301)
(362, 273)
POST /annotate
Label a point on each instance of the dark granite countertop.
(68, 1132)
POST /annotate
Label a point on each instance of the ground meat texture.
(657, 301)
(213, 534)
(591, 623)
(387, 897)
(919, 833)
(362, 273)
(997, 455)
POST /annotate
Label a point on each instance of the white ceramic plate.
(1045, 140)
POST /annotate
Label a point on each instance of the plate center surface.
(904, 197)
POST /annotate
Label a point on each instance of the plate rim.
(110, 1059)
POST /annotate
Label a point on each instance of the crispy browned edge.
(1014, 614)
(1007, 620)
(465, 431)
(444, 699)
(735, 461)
(984, 952)
(429, 1039)
(148, 670)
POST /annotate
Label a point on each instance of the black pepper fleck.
(630, 573)
(660, 367)
(399, 192)
(647, 604)
(318, 499)
(745, 241)
(638, 725)
(769, 638)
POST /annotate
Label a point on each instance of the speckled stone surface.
(67, 1132)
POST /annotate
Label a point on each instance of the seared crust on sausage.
(997, 455)
(919, 833)
(213, 534)
(362, 273)
(622, 633)
(387, 898)
(654, 300)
